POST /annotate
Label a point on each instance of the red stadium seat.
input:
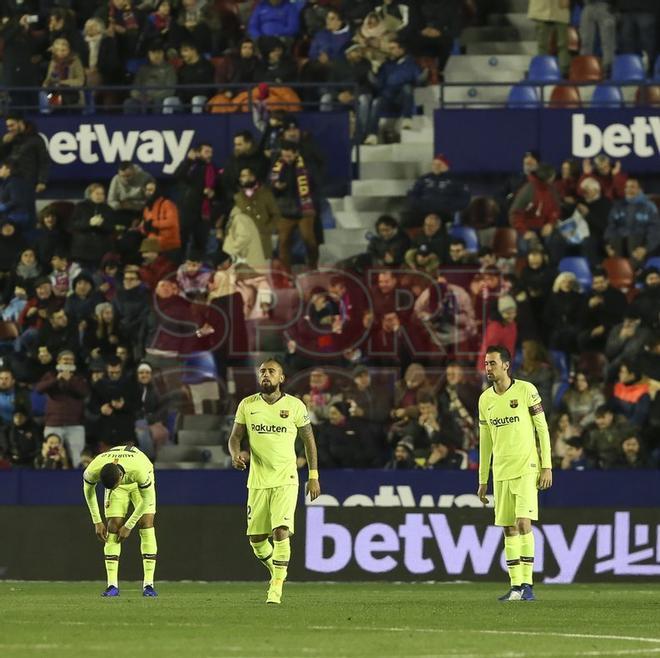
(648, 96)
(585, 68)
(565, 96)
(505, 242)
(620, 273)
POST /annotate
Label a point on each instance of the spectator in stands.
(242, 240)
(157, 73)
(433, 234)
(17, 302)
(53, 456)
(65, 398)
(126, 195)
(12, 396)
(567, 185)
(327, 46)
(535, 368)
(274, 18)
(537, 278)
(630, 397)
(132, 306)
(63, 273)
(651, 369)
(598, 14)
(395, 86)
(582, 399)
(245, 154)
(563, 312)
(195, 70)
(595, 208)
(422, 259)
(108, 276)
(291, 132)
(637, 30)
(159, 24)
(239, 68)
(388, 247)
(437, 192)
(403, 457)
(367, 400)
(575, 458)
(151, 414)
(50, 235)
(633, 228)
(102, 333)
(11, 243)
(101, 59)
(155, 265)
(612, 180)
(93, 223)
(59, 333)
(444, 456)
(22, 440)
(535, 208)
(25, 273)
(530, 164)
(432, 427)
(501, 329)
(16, 199)
(552, 18)
(276, 66)
(562, 429)
(459, 255)
(633, 455)
(200, 23)
(124, 23)
(60, 26)
(457, 399)
(603, 441)
(64, 79)
(293, 187)
(647, 301)
(193, 275)
(439, 25)
(23, 145)
(36, 310)
(604, 307)
(625, 341)
(320, 396)
(160, 221)
(196, 180)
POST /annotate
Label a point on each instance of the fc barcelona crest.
(513, 403)
(284, 413)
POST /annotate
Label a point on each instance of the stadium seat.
(620, 273)
(523, 97)
(648, 96)
(565, 97)
(606, 96)
(505, 242)
(653, 262)
(200, 366)
(585, 68)
(543, 68)
(578, 266)
(467, 234)
(627, 68)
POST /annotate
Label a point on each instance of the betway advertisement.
(494, 140)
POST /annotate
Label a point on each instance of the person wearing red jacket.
(501, 330)
(155, 266)
(612, 180)
(160, 221)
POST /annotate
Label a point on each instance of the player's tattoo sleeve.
(307, 436)
(89, 490)
(238, 433)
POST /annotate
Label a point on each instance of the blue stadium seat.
(200, 366)
(467, 234)
(523, 97)
(543, 68)
(627, 68)
(653, 262)
(578, 266)
(606, 96)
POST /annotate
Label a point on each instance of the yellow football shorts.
(271, 508)
(516, 499)
(116, 502)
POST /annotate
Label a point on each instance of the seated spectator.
(22, 440)
(195, 70)
(320, 396)
(458, 397)
(422, 259)
(274, 18)
(459, 255)
(193, 275)
(444, 456)
(595, 208)
(563, 313)
(633, 455)
(151, 414)
(64, 79)
(102, 334)
(567, 185)
(603, 441)
(501, 329)
(630, 397)
(107, 278)
(276, 66)
(574, 458)
(625, 342)
(582, 399)
(159, 74)
(124, 23)
(294, 189)
(15, 306)
(65, 400)
(388, 247)
(50, 236)
(16, 199)
(537, 278)
(36, 310)
(434, 234)
(127, 194)
(81, 304)
(535, 368)
(239, 68)
(53, 456)
(647, 301)
(562, 429)
(25, 273)
(63, 273)
(199, 23)
(403, 458)
(535, 208)
(367, 400)
(604, 307)
(160, 221)
(514, 183)
(57, 335)
(439, 25)
(12, 396)
(155, 265)
(101, 60)
(395, 86)
(93, 223)
(437, 192)
(374, 34)
(612, 180)
(633, 227)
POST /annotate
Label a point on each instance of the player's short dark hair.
(274, 359)
(110, 475)
(504, 353)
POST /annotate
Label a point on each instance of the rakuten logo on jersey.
(260, 428)
(618, 140)
(92, 144)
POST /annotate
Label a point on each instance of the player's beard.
(268, 388)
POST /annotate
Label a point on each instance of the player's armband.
(536, 409)
(146, 485)
(483, 422)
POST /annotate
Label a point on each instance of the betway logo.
(260, 428)
(640, 138)
(92, 144)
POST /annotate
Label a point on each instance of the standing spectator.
(102, 333)
(530, 164)
(195, 70)
(598, 14)
(437, 192)
(647, 302)
(294, 189)
(625, 341)
(603, 441)
(193, 275)
(395, 84)
(242, 240)
(501, 329)
(63, 273)
(93, 223)
(151, 412)
(16, 199)
(440, 24)
(23, 439)
(12, 396)
(366, 400)
(567, 185)
(159, 23)
(64, 79)
(159, 74)
(582, 399)
(388, 247)
(60, 27)
(633, 228)
(36, 310)
(50, 236)
(630, 397)
(53, 456)
(595, 208)
(132, 305)
(155, 265)
(552, 18)
(638, 20)
(274, 18)
(537, 278)
(633, 455)
(196, 24)
(126, 195)
(66, 392)
(25, 273)
(612, 180)
(160, 221)
(245, 154)
(124, 23)
(101, 57)
(58, 334)
(574, 458)
(563, 312)
(458, 398)
(535, 368)
(23, 145)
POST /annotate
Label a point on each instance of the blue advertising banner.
(90, 147)
(494, 140)
(350, 488)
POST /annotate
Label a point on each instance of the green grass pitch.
(214, 620)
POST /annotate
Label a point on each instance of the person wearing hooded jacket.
(160, 220)
(93, 225)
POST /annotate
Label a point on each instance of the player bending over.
(510, 420)
(127, 476)
(271, 420)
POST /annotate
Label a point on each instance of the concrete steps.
(381, 187)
